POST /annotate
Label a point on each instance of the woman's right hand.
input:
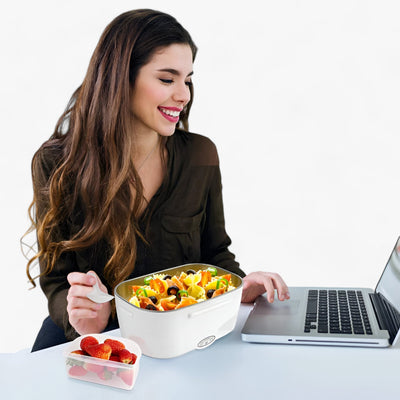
(85, 316)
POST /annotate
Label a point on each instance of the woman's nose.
(182, 94)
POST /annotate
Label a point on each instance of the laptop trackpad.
(287, 307)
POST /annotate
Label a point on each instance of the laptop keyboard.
(336, 311)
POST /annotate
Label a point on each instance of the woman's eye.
(189, 83)
(169, 81)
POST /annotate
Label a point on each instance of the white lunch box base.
(167, 334)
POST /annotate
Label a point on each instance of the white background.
(302, 99)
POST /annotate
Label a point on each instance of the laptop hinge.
(388, 317)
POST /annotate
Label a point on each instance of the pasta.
(162, 292)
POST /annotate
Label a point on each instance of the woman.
(121, 189)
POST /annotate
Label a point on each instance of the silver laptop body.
(300, 321)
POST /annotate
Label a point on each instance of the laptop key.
(323, 328)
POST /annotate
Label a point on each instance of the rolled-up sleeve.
(215, 240)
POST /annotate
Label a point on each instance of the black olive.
(167, 277)
(172, 290)
(151, 307)
(153, 299)
(190, 271)
(210, 292)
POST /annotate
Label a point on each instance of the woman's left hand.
(257, 283)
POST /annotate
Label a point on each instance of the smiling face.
(161, 90)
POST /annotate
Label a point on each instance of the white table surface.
(228, 369)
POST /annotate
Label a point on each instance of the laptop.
(332, 316)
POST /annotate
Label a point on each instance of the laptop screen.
(389, 283)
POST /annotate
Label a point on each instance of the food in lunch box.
(163, 292)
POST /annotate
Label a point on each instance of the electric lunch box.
(167, 334)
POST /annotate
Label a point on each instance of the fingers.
(81, 283)
(100, 283)
(80, 278)
(78, 305)
(257, 283)
(82, 302)
(280, 286)
(269, 287)
(84, 315)
(79, 291)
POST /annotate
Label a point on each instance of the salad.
(162, 292)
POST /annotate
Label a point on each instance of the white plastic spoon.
(97, 295)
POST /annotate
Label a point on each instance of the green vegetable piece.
(140, 290)
(212, 270)
(219, 281)
(147, 280)
(181, 293)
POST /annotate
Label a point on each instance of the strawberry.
(125, 356)
(88, 341)
(77, 370)
(126, 376)
(116, 346)
(105, 375)
(96, 368)
(80, 352)
(134, 358)
(102, 350)
(113, 368)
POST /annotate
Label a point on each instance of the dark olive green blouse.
(186, 224)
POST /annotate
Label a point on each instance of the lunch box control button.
(206, 341)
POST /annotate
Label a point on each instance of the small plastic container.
(103, 372)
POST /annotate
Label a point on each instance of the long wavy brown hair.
(95, 172)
